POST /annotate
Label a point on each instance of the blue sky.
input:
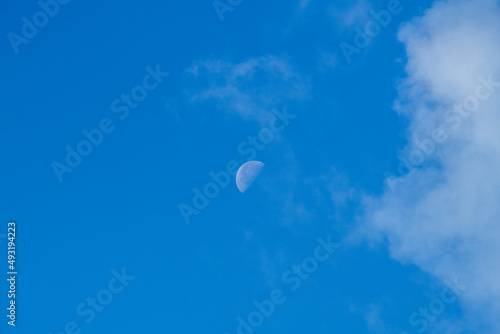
(152, 98)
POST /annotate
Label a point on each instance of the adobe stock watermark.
(29, 29)
(120, 106)
(293, 278)
(222, 6)
(372, 29)
(87, 310)
(221, 179)
(420, 320)
(454, 118)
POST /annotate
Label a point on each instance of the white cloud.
(445, 217)
(251, 88)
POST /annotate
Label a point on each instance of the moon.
(247, 174)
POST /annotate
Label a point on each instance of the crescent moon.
(247, 174)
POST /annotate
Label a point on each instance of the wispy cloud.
(251, 88)
(348, 16)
